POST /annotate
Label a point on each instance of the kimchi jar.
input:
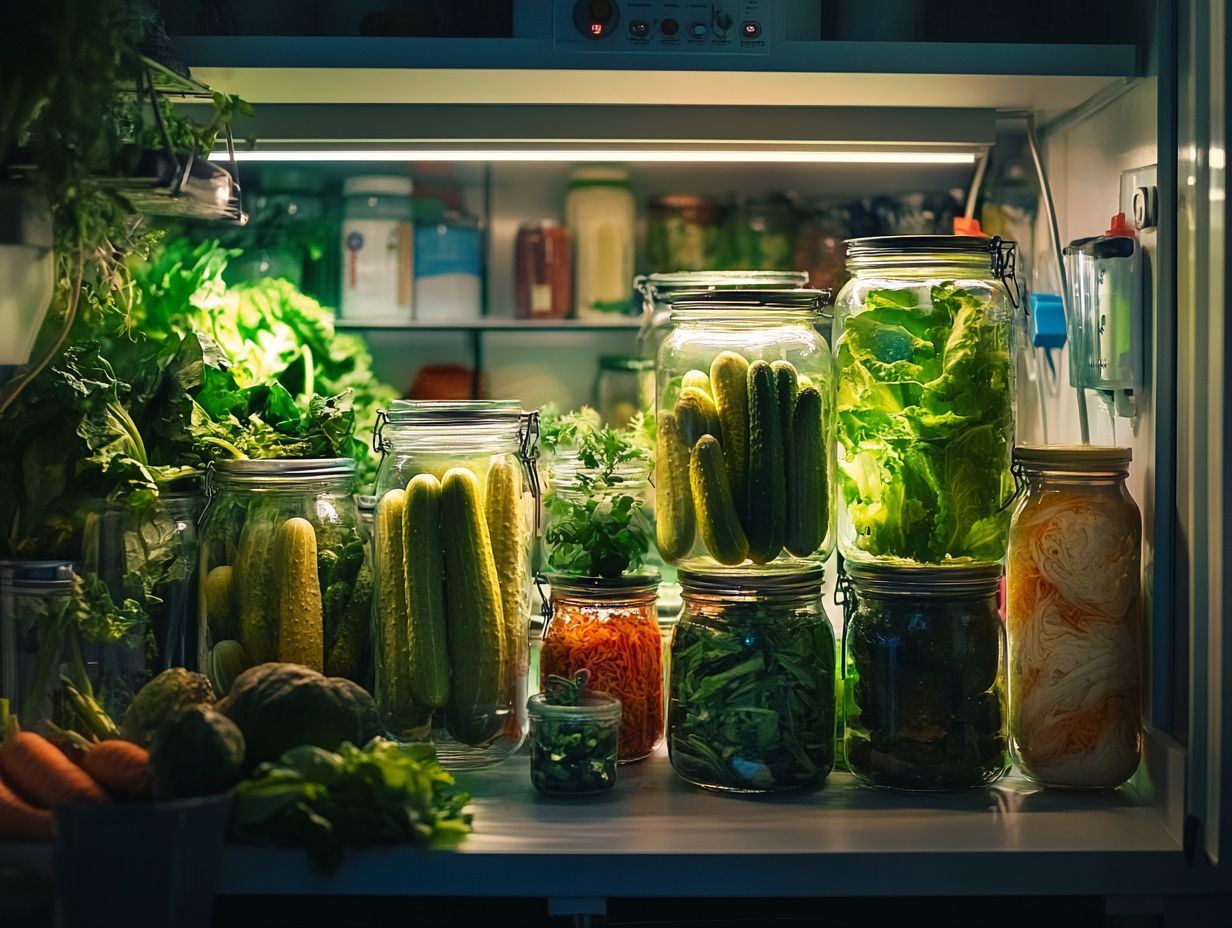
(1074, 618)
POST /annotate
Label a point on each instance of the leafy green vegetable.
(573, 752)
(383, 793)
(595, 504)
(752, 699)
(925, 425)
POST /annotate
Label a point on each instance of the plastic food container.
(1074, 618)
(573, 748)
(377, 248)
(448, 268)
(684, 232)
(452, 541)
(282, 570)
(610, 627)
(924, 676)
(925, 400)
(599, 212)
(744, 401)
(752, 681)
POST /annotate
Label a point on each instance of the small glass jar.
(1074, 618)
(377, 248)
(543, 270)
(925, 400)
(282, 573)
(924, 676)
(287, 234)
(657, 291)
(761, 233)
(599, 213)
(624, 387)
(752, 681)
(456, 493)
(573, 749)
(745, 403)
(610, 628)
(684, 232)
(36, 631)
(595, 521)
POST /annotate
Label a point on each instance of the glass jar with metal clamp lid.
(282, 570)
(925, 398)
(924, 676)
(457, 508)
(751, 684)
(744, 416)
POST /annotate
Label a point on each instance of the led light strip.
(630, 155)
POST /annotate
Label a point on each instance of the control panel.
(725, 26)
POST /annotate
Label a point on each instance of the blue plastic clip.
(1047, 321)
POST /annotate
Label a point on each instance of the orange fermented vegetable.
(624, 653)
(38, 770)
(20, 821)
(121, 767)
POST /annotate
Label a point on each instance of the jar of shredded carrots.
(611, 627)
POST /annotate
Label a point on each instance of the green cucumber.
(256, 592)
(675, 526)
(697, 415)
(717, 519)
(729, 376)
(808, 502)
(424, 569)
(695, 378)
(767, 500)
(301, 622)
(393, 692)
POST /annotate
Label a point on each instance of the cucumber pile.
(451, 624)
(742, 464)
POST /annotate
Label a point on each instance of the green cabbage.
(925, 423)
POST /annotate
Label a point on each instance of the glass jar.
(1074, 617)
(610, 628)
(377, 248)
(624, 387)
(657, 291)
(595, 521)
(683, 233)
(761, 232)
(573, 748)
(282, 573)
(752, 681)
(925, 399)
(599, 212)
(737, 479)
(819, 244)
(448, 268)
(543, 271)
(457, 489)
(924, 676)
(287, 233)
(36, 630)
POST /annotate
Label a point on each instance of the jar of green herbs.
(574, 738)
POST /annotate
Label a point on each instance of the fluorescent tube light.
(729, 156)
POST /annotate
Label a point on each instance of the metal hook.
(1018, 472)
(528, 451)
(545, 609)
(1004, 267)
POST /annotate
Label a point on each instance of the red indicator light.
(596, 29)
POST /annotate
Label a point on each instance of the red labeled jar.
(543, 270)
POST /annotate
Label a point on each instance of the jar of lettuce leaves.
(924, 676)
(281, 570)
(743, 459)
(925, 399)
(1074, 618)
(751, 707)
(456, 495)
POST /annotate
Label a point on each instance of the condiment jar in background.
(377, 248)
(543, 270)
(599, 212)
(448, 268)
(684, 232)
(624, 387)
(1074, 618)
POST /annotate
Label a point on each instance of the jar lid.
(389, 185)
(771, 579)
(281, 468)
(893, 579)
(604, 588)
(36, 574)
(624, 362)
(793, 300)
(534, 225)
(877, 246)
(595, 707)
(658, 285)
(442, 412)
(279, 178)
(1073, 457)
(600, 175)
(691, 206)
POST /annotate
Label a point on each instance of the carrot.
(123, 768)
(38, 770)
(20, 821)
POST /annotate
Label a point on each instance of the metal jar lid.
(771, 580)
(604, 589)
(658, 286)
(958, 581)
(875, 246)
(36, 575)
(441, 412)
(1093, 458)
(287, 468)
(772, 300)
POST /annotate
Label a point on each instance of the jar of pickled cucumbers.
(282, 573)
(925, 399)
(743, 458)
(456, 495)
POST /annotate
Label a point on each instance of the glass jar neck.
(493, 437)
(747, 598)
(739, 319)
(235, 483)
(1075, 479)
(627, 599)
(975, 267)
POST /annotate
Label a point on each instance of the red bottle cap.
(1120, 226)
(965, 225)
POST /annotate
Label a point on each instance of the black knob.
(722, 22)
